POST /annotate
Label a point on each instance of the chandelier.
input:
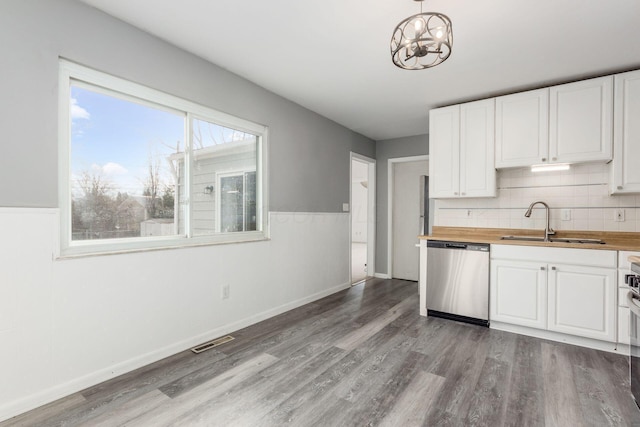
(422, 41)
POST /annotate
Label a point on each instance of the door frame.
(371, 211)
(390, 169)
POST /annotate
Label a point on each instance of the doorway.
(362, 222)
(408, 201)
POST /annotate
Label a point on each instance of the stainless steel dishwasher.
(458, 281)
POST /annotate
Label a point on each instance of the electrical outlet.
(619, 215)
(225, 291)
(565, 214)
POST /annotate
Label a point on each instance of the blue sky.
(115, 138)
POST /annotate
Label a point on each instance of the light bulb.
(418, 25)
(439, 34)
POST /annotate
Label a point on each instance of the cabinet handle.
(619, 187)
(553, 268)
(554, 159)
(544, 159)
(542, 268)
(463, 194)
(455, 194)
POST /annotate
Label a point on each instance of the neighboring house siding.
(207, 168)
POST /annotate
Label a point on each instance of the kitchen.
(100, 316)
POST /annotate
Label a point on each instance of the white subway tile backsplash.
(583, 189)
(581, 179)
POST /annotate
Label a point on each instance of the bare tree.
(95, 212)
(152, 187)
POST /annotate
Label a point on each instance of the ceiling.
(333, 56)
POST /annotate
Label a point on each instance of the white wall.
(66, 324)
(390, 149)
(584, 190)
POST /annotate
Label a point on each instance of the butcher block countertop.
(614, 240)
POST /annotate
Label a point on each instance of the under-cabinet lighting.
(549, 168)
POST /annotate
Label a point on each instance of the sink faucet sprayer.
(548, 231)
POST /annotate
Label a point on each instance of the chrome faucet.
(548, 231)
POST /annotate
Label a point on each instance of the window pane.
(250, 202)
(126, 172)
(221, 157)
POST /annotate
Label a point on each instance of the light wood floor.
(362, 357)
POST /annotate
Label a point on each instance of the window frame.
(69, 74)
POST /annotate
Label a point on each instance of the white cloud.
(114, 169)
(77, 112)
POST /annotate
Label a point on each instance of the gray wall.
(308, 154)
(390, 149)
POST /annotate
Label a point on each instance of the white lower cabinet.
(582, 301)
(569, 291)
(519, 293)
(623, 325)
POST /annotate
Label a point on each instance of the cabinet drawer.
(586, 257)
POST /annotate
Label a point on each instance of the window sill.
(105, 249)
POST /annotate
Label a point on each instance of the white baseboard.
(17, 407)
(559, 337)
(382, 276)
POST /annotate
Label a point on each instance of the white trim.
(51, 394)
(371, 211)
(306, 213)
(558, 337)
(390, 163)
(125, 87)
(382, 276)
(74, 74)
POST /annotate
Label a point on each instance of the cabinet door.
(444, 152)
(522, 129)
(477, 148)
(626, 134)
(582, 301)
(580, 122)
(518, 293)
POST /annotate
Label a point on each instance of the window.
(142, 169)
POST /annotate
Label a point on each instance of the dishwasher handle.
(439, 244)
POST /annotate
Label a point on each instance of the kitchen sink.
(523, 238)
(553, 239)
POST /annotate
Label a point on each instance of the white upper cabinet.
(580, 121)
(444, 145)
(626, 134)
(522, 129)
(461, 151)
(570, 123)
(477, 149)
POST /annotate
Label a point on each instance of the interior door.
(406, 217)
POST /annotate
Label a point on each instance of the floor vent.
(214, 343)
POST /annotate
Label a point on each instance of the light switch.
(345, 207)
(565, 214)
